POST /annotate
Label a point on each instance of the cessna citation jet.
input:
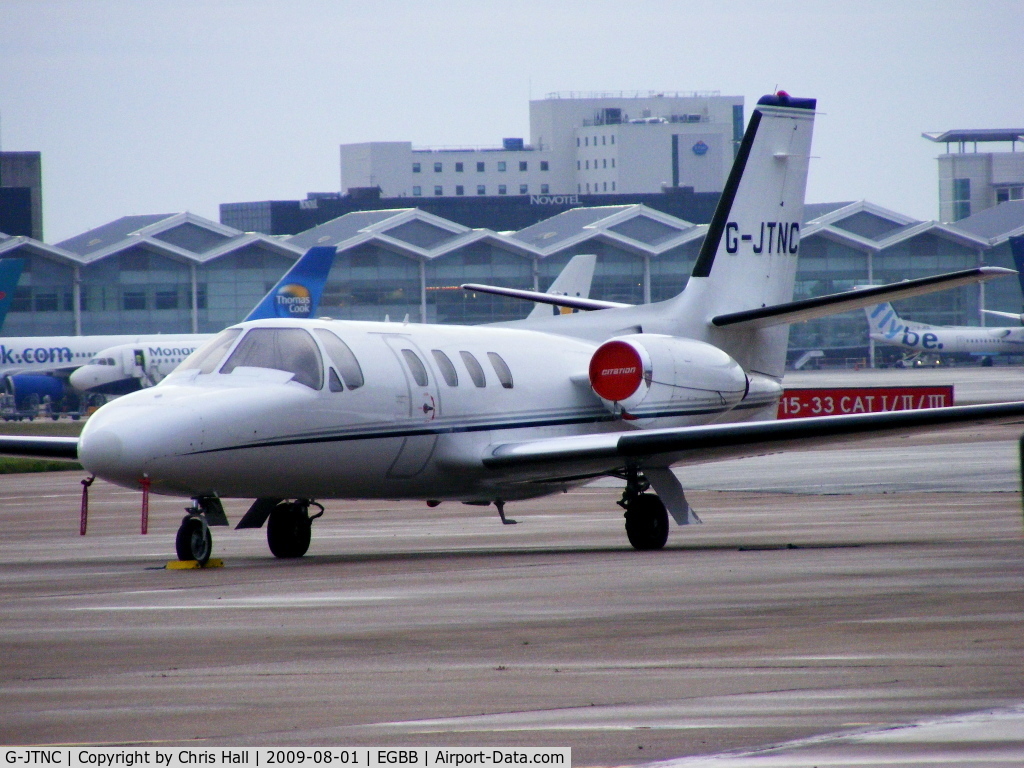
(288, 412)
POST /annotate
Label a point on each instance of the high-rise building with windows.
(971, 181)
(580, 143)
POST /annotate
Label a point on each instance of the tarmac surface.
(870, 624)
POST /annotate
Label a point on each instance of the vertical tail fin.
(748, 259)
(298, 293)
(885, 324)
(10, 273)
(574, 280)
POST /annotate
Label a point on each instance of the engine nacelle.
(655, 380)
(28, 395)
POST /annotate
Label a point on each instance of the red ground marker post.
(83, 520)
(145, 505)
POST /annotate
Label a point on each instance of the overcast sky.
(158, 107)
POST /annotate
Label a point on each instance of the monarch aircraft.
(287, 412)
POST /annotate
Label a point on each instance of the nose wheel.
(194, 541)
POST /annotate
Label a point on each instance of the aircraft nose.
(123, 440)
(101, 451)
(83, 378)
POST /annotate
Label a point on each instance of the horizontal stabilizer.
(837, 303)
(576, 302)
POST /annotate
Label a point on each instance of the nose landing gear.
(193, 541)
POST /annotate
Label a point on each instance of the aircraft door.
(424, 407)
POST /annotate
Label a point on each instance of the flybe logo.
(293, 300)
(889, 325)
(771, 237)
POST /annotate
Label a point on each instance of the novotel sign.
(554, 199)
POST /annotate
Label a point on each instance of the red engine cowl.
(661, 380)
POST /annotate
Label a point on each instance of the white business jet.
(290, 411)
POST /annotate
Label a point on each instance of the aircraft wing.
(576, 302)
(562, 457)
(39, 447)
(1010, 315)
(836, 303)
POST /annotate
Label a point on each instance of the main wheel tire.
(289, 530)
(193, 541)
(647, 523)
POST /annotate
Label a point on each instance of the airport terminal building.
(182, 273)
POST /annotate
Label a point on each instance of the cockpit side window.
(282, 349)
(208, 356)
(342, 357)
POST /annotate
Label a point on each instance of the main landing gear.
(646, 516)
(289, 524)
(290, 527)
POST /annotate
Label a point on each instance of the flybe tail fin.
(574, 280)
(10, 273)
(884, 323)
(298, 293)
(748, 258)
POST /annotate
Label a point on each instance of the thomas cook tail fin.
(298, 293)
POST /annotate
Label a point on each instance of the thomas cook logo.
(293, 300)
(700, 149)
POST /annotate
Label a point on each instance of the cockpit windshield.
(208, 356)
(282, 349)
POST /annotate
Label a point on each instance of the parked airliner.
(22, 359)
(887, 327)
(287, 412)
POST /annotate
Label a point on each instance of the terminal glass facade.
(479, 262)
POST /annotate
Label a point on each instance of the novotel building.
(580, 144)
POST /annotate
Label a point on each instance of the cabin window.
(209, 356)
(500, 368)
(281, 349)
(333, 382)
(476, 373)
(342, 357)
(451, 377)
(419, 372)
